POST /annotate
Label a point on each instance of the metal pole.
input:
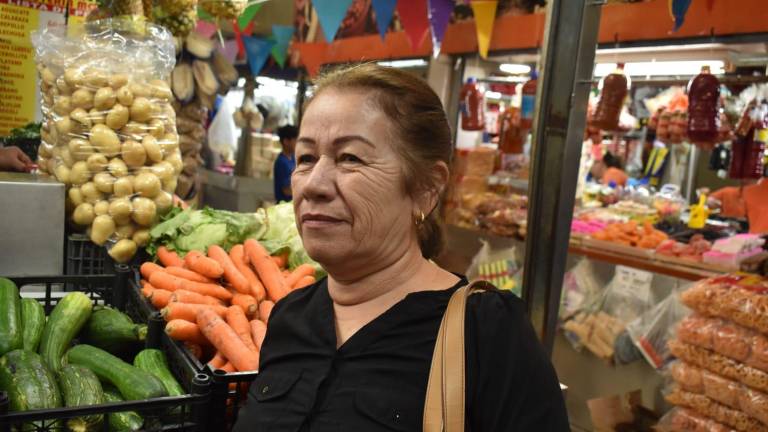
(568, 57)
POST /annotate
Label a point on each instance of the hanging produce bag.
(109, 130)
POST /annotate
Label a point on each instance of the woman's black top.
(377, 380)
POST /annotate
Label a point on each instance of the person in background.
(285, 163)
(756, 203)
(730, 201)
(608, 169)
(13, 159)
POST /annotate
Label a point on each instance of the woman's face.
(351, 206)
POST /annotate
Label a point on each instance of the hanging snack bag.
(109, 130)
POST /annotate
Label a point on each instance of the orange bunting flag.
(312, 56)
(485, 14)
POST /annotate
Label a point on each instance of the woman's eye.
(305, 159)
(346, 157)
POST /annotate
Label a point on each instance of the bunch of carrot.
(219, 304)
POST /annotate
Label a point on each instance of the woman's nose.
(321, 182)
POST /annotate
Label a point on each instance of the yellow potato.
(154, 152)
(63, 87)
(95, 78)
(80, 149)
(73, 77)
(104, 182)
(48, 77)
(170, 185)
(141, 109)
(97, 162)
(161, 90)
(105, 140)
(175, 161)
(146, 184)
(169, 143)
(97, 116)
(90, 193)
(163, 170)
(102, 228)
(144, 211)
(123, 186)
(81, 116)
(79, 173)
(62, 173)
(124, 96)
(117, 81)
(117, 117)
(62, 105)
(83, 214)
(120, 209)
(156, 128)
(134, 154)
(64, 125)
(82, 98)
(134, 131)
(140, 90)
(163, 202)
(104, 98)
(141, 237)
(117, 167)
(125, 231)
(75, 196)
(123, 250)
(66, 157)
(45, 150)
(101, 208)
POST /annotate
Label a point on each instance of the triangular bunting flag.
(205, 28)
(248, 30)
(384, 9)
(246, 17)
(203, 15)
(485, 13)
(439, 14)
(238, 38)
(331, 13)
(230, 50)
(258, 52)
(413, 16)
(312, 56)
(678, 9)
(282, 35)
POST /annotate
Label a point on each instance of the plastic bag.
(629, 294)
(109, 130)
(717, 411)
(719, 364)
(726, 338)
(498, 267)
(581, 290)
(686, 420)
(651, 330)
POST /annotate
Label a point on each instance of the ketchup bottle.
(614, 89)
(703, 112)
(528, 104)
(471, 106)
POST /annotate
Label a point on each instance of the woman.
(608, 170)
(353, 351)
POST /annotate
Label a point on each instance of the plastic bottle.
(703, 108)
(511, 135)
(528, 103)
(614, 89)
(471, 106)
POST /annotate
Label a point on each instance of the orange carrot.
(280, 260)
(147, 289)
(267, 270)
(231, 273)
(258, 332)
(226, 340)
(160, 298)
(247, 303)
(217, 361)
(185, 331)
(188, 311)
(187, 274)
(195, 349)
(148, 268)
(265, 309)
(304, 282)
(184, 296)
(228, 367)
(172, 283)
(195, 260)
(298, 273)
(239, 323)
(285, 273)
(237, 253)
(169, 258)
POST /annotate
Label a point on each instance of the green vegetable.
(65, 321)
(33, 317)
(126, 421)
(80, 387)
(283, 235)
(11, 331)
(133, 383)
(112, 330)
(28, 131)
(154, 362)
(29, 382)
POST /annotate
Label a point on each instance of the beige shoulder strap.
(444, 404)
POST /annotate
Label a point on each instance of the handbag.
(444, 404)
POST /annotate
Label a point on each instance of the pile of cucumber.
(40, 368)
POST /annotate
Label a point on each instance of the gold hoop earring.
(420, 219)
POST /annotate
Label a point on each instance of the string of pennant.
(419, 19)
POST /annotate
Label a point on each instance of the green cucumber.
(29, 382)
(154, 362)
(65, 321)
(80, 387)
(113, 331)
(126, 421)
(133, 383)
(33, 319)
(11, 330)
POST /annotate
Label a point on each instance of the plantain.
(183, 82)
(205, 80)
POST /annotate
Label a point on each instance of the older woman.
(353, 351)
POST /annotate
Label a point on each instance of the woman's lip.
(319, 218)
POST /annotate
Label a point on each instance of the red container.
(511, 134)
(471, 106)
(528, 103)
(747, 156)
(614, 91)
(703, 108)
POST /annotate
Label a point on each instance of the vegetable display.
(112, 330)
(11, 333)
(222, 320)
(80, 387)
(65, 321)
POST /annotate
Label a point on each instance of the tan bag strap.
(444, 404)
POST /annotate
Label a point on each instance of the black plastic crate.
(229, 390)
(188, 412)
(87, 258)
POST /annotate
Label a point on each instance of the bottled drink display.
(614, 89)
(471, 106)
(703, 108)
(528, 104)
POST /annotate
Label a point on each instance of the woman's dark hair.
(421, 125)
(287, 132)
(611, 161)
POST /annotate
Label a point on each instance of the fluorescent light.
(512, 68)
(493, 95)
(404, 63)
(662, 68)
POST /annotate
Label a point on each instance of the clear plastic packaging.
(720, 364)
(109, 129)
(726, 338)
(686, 420)
(651, 330)
(700, 403)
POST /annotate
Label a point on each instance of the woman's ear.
(430, 197)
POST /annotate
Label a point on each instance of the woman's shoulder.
(496, 304)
